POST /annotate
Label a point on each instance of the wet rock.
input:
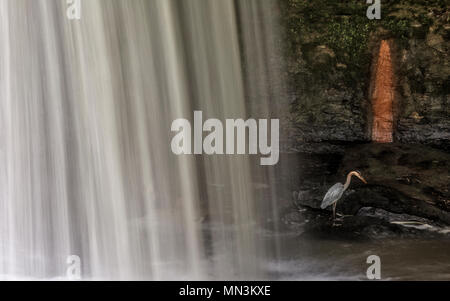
(408, 192)
(309, 222)
(331, 92)
(322, 55)
(405, 220)
(412, 130)
(410, 179)
(435, 41)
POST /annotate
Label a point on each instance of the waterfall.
(86, 167)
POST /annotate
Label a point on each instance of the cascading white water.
(85, 112)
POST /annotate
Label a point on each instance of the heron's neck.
(349, 179)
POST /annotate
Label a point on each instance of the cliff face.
(355, 81)
(424, 71)
(332, 53)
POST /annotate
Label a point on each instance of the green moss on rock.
(330, 47)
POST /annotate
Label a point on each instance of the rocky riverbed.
(407, 194)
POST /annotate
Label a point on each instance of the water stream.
(85, 164)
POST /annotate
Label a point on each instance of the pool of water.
(294, 256)
(325, 259)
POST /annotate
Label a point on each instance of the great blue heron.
(335, 193)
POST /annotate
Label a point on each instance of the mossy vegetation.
(344, 27)
(330, 46)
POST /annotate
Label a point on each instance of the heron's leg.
(334, 211)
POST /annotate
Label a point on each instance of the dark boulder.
(408, 192)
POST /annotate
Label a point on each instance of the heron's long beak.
(362, 179)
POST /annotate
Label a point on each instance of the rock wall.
(331, 50)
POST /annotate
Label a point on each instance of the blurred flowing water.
(85, 164)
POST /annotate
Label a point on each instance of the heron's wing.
(333, 194)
